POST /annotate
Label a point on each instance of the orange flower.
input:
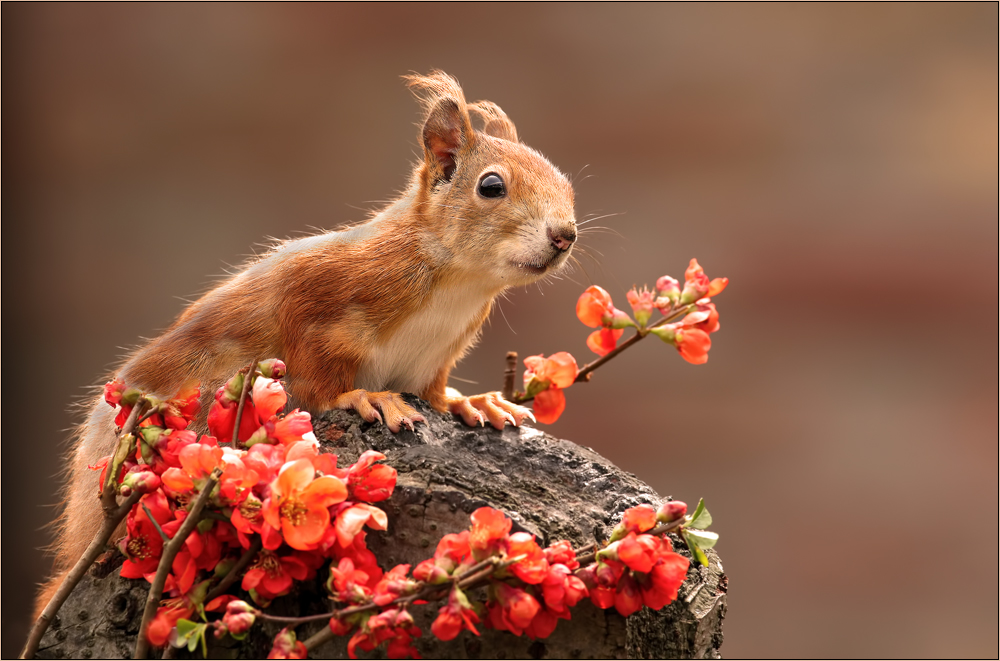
(593, 305)
(604, 341)
(545, 378)
(693, 345)
(299, 503)
(558, 369)
(489, 528)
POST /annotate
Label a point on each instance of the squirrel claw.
(394, 411)
(490, 406)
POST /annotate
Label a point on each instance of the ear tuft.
(446, 127)
(495, 121)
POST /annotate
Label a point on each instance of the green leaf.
(703, 538)
(701, 519)
(692, 545)
(185, 628)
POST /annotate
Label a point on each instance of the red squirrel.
(361, 314)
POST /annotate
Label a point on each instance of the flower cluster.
(689, 316)
(281, 511)
(277, 498)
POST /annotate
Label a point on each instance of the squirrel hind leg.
(387, 407)
(477, 409)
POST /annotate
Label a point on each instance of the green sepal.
(700, 519)
(205, 525)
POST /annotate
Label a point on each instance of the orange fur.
(391, 304)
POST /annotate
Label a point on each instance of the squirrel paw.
(496, 409)
(395, 412)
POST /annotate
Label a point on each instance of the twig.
(234, 572)
(109, 490)
(170, 551)
(96, 547)
(508, 376)
(243, 398)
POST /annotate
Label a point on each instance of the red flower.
(603, 342)
(664, 579)
(166, 618)
(635, 519)
(559, 370)
(143, 545)
(512, 610)
(544, 379)
(354, 517)
(347, 583)
(369, 481)
(627, 597)
(290, 428)
(458, 614)
(639, 552)
(183, 407)
(299, 503)
(393, 584)
(692, 343)
(271, 575)
(697, 284)
(489, 528)
(561, 590)
(705, 317)
(594, 307)
(533, 568)
(562, 553)
(268, 397)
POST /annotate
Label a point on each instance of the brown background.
(837, 162)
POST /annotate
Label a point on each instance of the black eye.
(492, 186)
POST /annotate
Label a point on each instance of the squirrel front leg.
(324, 379)
(474, 409)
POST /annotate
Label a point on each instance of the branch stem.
(95, 549)
(234, 572)
(170, 552)
(251, 368)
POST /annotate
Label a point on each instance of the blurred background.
(837, 162)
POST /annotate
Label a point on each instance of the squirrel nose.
(562, 237)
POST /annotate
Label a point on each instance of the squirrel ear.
(495, 121)
(447, 129)
(443, 135)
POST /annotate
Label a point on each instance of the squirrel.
(361, 314)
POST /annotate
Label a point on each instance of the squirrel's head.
(498, 208)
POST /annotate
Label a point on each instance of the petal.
(549, 405)
(561, 369)
(324, 491)
(294, 476)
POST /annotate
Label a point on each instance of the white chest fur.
(409, 359)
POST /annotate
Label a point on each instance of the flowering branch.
(170, 552)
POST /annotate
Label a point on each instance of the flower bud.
(671, 511)
(618, 320)
(668, 287)
(272, 368)
(259, 436)
(666, 333)
(642, 304)
(143, 481)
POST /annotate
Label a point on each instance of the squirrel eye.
(492, 185)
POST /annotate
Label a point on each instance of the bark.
(549, 487)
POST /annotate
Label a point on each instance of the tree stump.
(552, 488)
